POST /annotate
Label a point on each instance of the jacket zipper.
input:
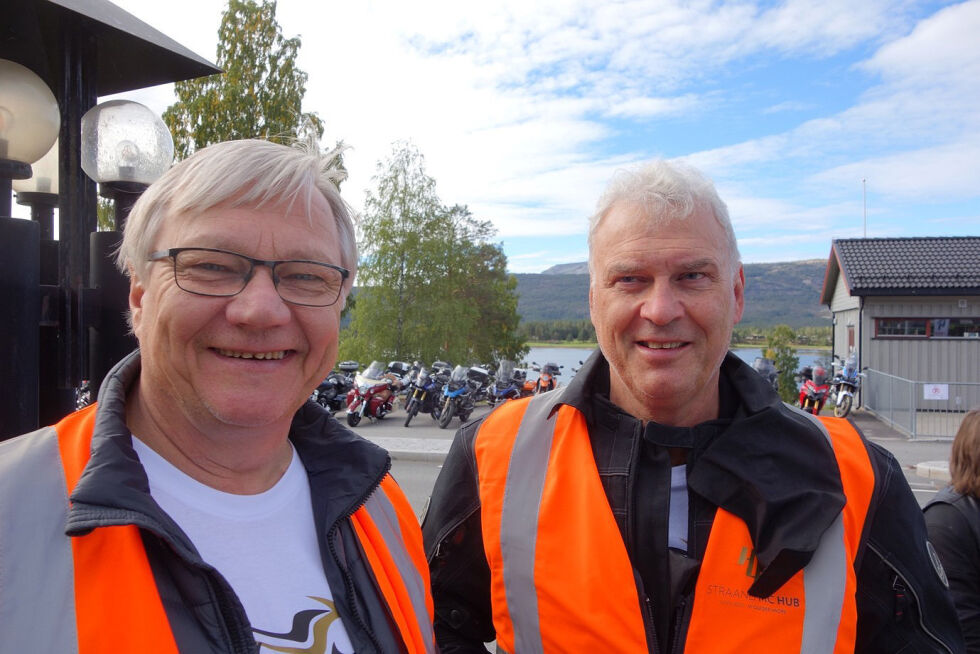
(345, 571)
(910, 589)
(679, 636)
(648, 627)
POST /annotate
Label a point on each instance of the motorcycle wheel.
(412, 409)
(843, 406)
(353, 419)
(448, 409)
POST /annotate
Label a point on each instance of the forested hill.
(775, 293)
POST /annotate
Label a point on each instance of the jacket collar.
(113, 489)
(770, 466)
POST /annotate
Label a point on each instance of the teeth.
(252, 355)
(662, 346)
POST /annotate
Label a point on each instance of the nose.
(661, 304)
(259, 304)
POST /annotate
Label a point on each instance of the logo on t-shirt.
(311, 633)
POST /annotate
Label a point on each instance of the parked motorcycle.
(845, 385)
(815, 390)
(508, 385)
(425, 393)
(372, 394)
(332, 392)
(530, 380)
(547, 378)
(458, 394)
(767, 368)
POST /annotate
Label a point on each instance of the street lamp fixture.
(125, 148)
(29, 123)
(40, 191)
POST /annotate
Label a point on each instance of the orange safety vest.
(561, 579)
(116, 604)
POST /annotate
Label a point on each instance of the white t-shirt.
(264, 545)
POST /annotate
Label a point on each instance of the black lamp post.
(81, 49)
(125, 148)
(29, 121)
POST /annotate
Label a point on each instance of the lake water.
(569, 357)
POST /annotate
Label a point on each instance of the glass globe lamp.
(29, 116)
(123, 141)
(44, 177)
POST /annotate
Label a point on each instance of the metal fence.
(918, 408)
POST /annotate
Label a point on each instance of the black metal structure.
(59, 298)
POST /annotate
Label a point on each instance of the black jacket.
(902, 603)
(953, 521)
(205, 614)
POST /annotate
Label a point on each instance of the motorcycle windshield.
(374, 371)
(459, 374)
(505, 370)
(550, 369)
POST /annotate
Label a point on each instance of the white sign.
(935, 391)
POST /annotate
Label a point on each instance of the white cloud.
(949, 171)
(522, 109)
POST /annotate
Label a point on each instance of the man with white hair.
(665, 500)
(204, 504)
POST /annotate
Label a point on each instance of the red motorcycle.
(372, 395)
(815, 390)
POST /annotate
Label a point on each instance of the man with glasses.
(203, 504)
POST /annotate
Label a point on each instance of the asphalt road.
(417, 473)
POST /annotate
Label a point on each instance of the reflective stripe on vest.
(388, 532)
(561, 579)
(37, 605)
(815, 611)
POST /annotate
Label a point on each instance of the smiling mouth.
(261, 356)
(662, 346)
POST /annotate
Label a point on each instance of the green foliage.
(260, 94)
(779, 348)
(432, 284)
(805, 336)
(106, 215)
(558, 330)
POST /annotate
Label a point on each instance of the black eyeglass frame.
(172, 253)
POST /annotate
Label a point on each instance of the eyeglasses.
(220, 273)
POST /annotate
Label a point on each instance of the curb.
(414, 449)
(933, 470)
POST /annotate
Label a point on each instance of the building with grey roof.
(910, 309)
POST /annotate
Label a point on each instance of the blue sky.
(524, 109)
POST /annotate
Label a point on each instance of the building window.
(927, 328)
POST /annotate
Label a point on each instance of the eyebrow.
(223, 243)
(622, 268)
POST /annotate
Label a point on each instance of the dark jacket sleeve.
(950, 534)
(903, 602)
(453, 538)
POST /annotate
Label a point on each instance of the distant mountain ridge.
(775, 293)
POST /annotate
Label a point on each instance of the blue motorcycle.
(509, 384)
(424, 393)
(459, 394)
